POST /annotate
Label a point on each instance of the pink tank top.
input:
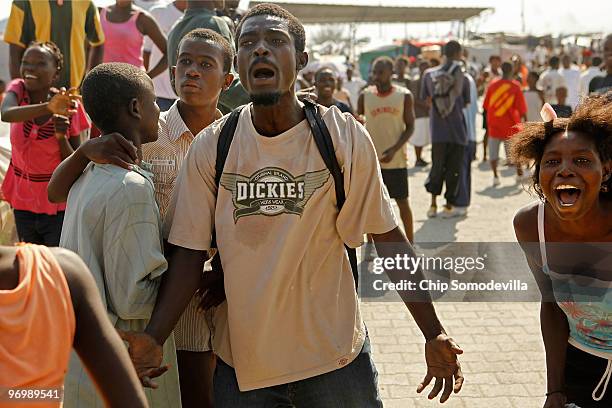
(123, 41)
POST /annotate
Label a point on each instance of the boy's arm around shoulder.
(95, 339)
(65, 175)
(112, 148)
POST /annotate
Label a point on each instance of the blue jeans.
(164, 103)
(465, 178)
(41, 229)
(446, 164)
(353, 386)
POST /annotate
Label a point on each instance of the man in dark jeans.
(295, 347)
(448, 129)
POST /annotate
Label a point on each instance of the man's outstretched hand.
(146, 355)
(441, 357)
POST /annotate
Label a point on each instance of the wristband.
(548, 394)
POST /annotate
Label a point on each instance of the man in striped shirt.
(202, 70)
(68, 24)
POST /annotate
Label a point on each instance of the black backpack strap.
(225, 141)
(223, 145)
(325, 145)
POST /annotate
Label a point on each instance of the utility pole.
(523, 17)
(353, 41)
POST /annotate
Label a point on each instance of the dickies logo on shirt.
(272, 191)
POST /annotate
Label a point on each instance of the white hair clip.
(547, 113)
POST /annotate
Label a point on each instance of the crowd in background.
(560, 77)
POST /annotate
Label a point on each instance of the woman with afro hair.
(567, 239)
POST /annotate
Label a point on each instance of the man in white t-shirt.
(541, 53)
(550, 80)
(571, 74)
(591, 72)
(354, 85)
(166, 15)
(291, 332)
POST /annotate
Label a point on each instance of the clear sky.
(541, 16)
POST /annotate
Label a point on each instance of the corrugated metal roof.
(326, 13)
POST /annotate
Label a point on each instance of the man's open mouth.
(263, 73)
(30, 76)
(567, 194)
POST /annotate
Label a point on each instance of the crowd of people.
(512, 92)
(204, 236)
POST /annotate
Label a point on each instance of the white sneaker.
(461, 211)
(496, 181)
(450, 212)
(432, 212)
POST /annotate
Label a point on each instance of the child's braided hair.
(53, 49)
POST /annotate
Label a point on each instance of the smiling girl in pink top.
(45, 129)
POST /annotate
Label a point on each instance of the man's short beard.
(265, 99)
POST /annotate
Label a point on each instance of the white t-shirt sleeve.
(367, 209)
(191, 215)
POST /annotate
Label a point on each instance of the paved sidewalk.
(503, 362)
